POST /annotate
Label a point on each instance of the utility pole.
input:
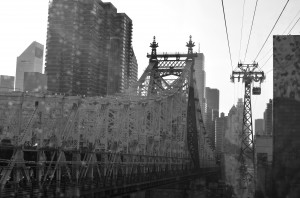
(249, 73)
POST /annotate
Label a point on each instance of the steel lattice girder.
(133, 123)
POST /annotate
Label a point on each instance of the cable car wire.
(272, 29)
(291, 22)
(250, 31)
(242, 29)
(227, 33)
(293, 26)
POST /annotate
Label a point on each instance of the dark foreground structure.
(286, 164)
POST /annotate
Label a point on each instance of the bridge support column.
(58, 174)
(41, 158)
(76, 157)
(91, 166)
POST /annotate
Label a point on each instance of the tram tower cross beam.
(249, 73)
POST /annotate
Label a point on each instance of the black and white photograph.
(150, 98)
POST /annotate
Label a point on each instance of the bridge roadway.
(108, 175)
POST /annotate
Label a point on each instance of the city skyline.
(201, 19)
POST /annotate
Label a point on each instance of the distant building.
(232, 144)
(94, 55)
(259, 127)
(286, 114)
(35, 82)
(200, 73)
(232, 140)
(268, 119)
(221, 126)
(212, 97)
(212, 100)
(31, 60)
(6, 83)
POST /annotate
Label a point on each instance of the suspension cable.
(227, 33)
(291, 22)
(242, 29)
(294, 26)
(272, 29)
(266, 61)
(287, 33)
(250, 30)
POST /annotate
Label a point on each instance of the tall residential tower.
(89, 48)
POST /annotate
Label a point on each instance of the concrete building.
(31, 60)
(286, 114)
(35, 82)
(268, 118)
(259, 126)
(221, 126)
(6, 83)
(94, 55)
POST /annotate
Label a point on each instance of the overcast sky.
(172, 22)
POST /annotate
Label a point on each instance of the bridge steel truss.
(150, 135)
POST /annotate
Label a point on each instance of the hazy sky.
(172, 22)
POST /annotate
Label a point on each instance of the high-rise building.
(212, 97)
(231, 144)
(286, 114)
(132, 71)
(212, 101)
(268, 118)
(89, 48)
(200, 72)
(6, 83)
(31, 60)
(35, 82)
(221, 126)
(259, 127)
(235, 122)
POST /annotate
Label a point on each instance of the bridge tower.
(250, 74)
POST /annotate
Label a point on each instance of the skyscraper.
(200, 71)
(31, 60)
(89, 48)
(212, 97)
(212, 101)
(221, 125)
(268, 118)
(235, 122)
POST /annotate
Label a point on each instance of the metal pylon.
(248, 74)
